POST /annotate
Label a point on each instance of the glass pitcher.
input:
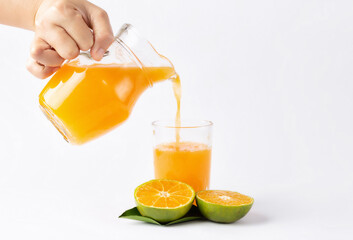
(86, 99)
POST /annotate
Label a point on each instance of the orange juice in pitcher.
(86, 99)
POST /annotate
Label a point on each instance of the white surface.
(274, 76)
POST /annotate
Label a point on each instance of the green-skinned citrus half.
(164, 200)
(223, 206)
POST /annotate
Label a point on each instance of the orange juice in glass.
(187, 160)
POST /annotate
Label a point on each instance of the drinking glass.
(187, 160)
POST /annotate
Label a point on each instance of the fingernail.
(99, 54)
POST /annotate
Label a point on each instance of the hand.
(62, 29)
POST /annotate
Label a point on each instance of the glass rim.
(183, 124)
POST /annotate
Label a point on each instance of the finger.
(58, 38)
(39, 70)
(74, 24)
(102, 31)
(44, 54)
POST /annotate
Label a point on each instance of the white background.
(275, 77)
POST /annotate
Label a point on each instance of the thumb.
(102, 31)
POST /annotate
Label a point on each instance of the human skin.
(62, 28)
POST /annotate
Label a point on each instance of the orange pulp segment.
(225, 198)
(163, 193)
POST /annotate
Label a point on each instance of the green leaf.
(183, 219)
(134, 214)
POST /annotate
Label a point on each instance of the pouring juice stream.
(188, 162)
(177, 95)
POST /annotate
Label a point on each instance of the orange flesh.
(164, 194)
(226, 198)
(188, 162)
(84, 102)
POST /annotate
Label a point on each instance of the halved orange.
(164, 200)
(223, 206)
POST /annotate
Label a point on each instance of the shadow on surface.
(253, 218)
